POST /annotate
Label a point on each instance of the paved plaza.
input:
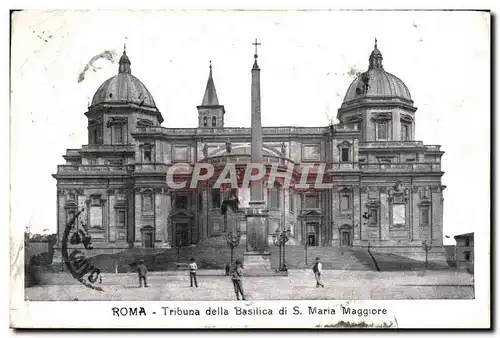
(299, 284)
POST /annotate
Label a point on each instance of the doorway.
(345, 237)
(147, 238)
(312, 234)
(181, 234)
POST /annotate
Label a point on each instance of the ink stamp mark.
(80, 266)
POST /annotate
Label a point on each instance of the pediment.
(310, 213)
(424, 203)
(181, 214)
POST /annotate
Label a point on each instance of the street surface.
(300, 284)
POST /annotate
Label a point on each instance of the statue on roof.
(283, 148)
(205, 150)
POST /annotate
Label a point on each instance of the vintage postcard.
(250, 169)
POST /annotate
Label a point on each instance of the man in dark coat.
(317, 268)
(142, 271)
(237, 278)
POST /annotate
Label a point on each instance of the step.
(218, 257)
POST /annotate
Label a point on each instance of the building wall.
(465, 252)
(366, 189)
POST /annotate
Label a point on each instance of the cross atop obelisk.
(256, 44)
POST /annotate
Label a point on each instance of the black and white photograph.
(250, 168)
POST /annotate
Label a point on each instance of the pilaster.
(112, 217)
(159, 219)
(437, 214)
(384, 215)
(336, 216)
(415, 216)
(356, 214)
(364, 224)
(167, 230)
(138, 218)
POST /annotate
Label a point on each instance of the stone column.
(112, 216)
(159, 220)
(384, 216)
(335, 240)
(437, 215)
(364, 223)
(356, 210)
(61, 225)
(415, 228)
(138, 218)
(168, 223)
(257, 252)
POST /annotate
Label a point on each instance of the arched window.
(344, 154)
(344, 151)
(382, 130)
(214, 121)
(95, 136)
(147, 151)
(205, 121)
(119, 133)
(405, 132)
(273, 198)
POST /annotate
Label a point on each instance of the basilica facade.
(385, 192)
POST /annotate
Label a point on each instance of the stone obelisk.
(257, 256)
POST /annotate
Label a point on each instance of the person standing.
(192, 272)
(317, 268)
(142, 271)
(237, 278)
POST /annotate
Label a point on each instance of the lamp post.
(306, 244)
(277, 242)
(427, 247)
(280, 240)
(178, 244)
(285, 235)
(232, 241)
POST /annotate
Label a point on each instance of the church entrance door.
(312, 234)
(181, 233)
(345, 238)
(147, 237)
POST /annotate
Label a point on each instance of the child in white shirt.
(192, 272)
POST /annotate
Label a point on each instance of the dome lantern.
(124, 63)
(375, 58)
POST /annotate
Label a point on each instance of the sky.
(307, 60)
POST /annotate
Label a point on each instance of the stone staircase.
(332, 258)
(213, 253)
(394, 262)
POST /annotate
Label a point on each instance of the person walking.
(237, 278)
(142, 271)
(317, 268)
(192, 272)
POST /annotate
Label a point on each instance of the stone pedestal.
(257, 257)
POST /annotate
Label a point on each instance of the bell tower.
(210, 112)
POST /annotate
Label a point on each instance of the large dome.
(380, 84)
(376, 83)
(124, 88)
